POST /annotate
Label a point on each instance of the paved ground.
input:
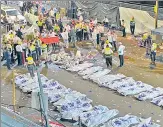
(135, 65)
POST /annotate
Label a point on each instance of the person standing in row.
(121, 54)
(114, 41)
(73, 36)
(108, 56)
(19, 51)
(7, 56)
(30, 65)
(123, 28)
(32, 50)
(153, 52)
(132, 26)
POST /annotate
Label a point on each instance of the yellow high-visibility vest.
(32, 48)
(155, 9)
(56, 28)
(145, 36)
(57, 16)
(154, 47)
(44, 46)
(40, 23)
(11, 36)
(107, 42)
(78, 26)
(30, 60)
(107, 51)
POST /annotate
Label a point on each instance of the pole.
(14, 92)
(156, 14)
(42, 103)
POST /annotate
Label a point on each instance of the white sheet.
(125, 121)
(150, 94)
(158, 101)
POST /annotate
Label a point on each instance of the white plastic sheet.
(150, 94)
(158, 101)
(125, 121)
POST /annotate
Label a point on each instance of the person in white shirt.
(106, 22)
(52, 34)
(101, 30)
(68, 28)
(110, 37)
(114, 36)
(19, 51)
(65, 38)
(121, 54)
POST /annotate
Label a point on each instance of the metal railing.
(5, 28)
(11, 119)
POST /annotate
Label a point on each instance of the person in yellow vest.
(32, 50)
(40, 24)
(30, 65)
(56, 28)
(58, 16)
(85, 31)
(132, 25)
(153, 52)
(123, 29)
(108, 56)
(44, 52)
(144, 39)
(78, 28)
(38, 47)
(107, 43)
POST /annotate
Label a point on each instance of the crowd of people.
(50, 24)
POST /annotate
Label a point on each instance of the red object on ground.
(55, 124)
(50, 40)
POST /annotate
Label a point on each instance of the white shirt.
(68, 28)
(21, 3)
(52, 34)
(101, 29)
(114, 37)
(65, 35)
(19, 48)
(108, 45)
(106, 20)
(121, 49)
(24, 45)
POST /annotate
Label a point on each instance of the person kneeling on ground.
(31, 65)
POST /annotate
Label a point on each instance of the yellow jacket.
(11, 36)
(108, 51)
(43, 46)
(56, 28)
(78, 26)
(30, 60)
(57, 16)
(40, 23)
(32, 48)
(154, 47)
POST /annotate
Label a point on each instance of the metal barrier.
(5, 28)
(11, 119)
